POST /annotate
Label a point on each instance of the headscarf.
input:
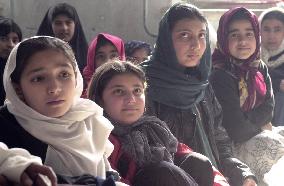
(77, 141)
(272, 58)
(169, 82)
(78, 42)
(132, 46)
(252, 87)
(90, 67)
(147, 140)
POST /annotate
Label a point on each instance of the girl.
(142, 140)
(137, 51)
(272, 53)
(45, 114)
(243, 87)
(62, 21)
(10, 35)
(103, 48)
(19, 166)
(179, 92)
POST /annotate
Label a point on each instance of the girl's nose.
(54, 87)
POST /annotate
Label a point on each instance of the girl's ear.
(19, 91)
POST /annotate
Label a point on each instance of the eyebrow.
(236, 30)
(119, 86)
(41, 68)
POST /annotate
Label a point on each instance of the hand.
(282, 85)
(35, 175)
(3, 181)
(249, 182)
(267, 126)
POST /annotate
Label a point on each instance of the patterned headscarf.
(91, 68)
(252, 87)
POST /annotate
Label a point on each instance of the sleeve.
(239, 125)
(14, 161)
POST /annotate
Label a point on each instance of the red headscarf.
(251, 81)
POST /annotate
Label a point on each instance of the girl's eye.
(138, 91)
(184, 35)
(101, 57)
(202, 35)
(234, 35)
(118, 92)
(113, 55)
(65, 75)
(250, 34)
(37, 79)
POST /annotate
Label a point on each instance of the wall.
(128, 19)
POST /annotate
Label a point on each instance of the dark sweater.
(13, 135)
(240, 125)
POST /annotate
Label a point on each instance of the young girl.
(272, 53)
(243, 87)
(103, 48)
(62, 21)
(45, 114)
(19, 166)
(137, 51)
(179, 92)
(142, 140)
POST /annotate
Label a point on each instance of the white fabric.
(262, 151)
(275, 177)
(78, 141)
(14, 161)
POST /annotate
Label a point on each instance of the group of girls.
(153, 125)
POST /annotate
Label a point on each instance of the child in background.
(45, 114)
(103, 48)
(62, 21)
(243, 87)
(19, 166)
(10, 35)
(272, 53)
(137, 51)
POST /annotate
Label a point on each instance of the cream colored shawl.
(78, 141)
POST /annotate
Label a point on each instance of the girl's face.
(189, 40)
(123, 98)
(7, 43)
(139, 55)
(63, 27)
(105, 53)
(48, 83)
(241, 39)
(272, 33)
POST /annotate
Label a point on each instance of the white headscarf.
(78, 141)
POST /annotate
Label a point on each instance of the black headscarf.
(169, 82)
(78, 42)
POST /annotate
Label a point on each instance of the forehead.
(108, 47)
(11, 35)
(241, 24)
(62, 17)
(48, 59)
(189, 24)
(271, 22)
(126, 79)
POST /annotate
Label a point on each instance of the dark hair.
(7, 26)
(63, 9)
(132, 46)
(275, 14)
(102, 41)
(182, 11)
(31, 46)
(106, 72)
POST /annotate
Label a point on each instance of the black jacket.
(13, 135)
(183, 125)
